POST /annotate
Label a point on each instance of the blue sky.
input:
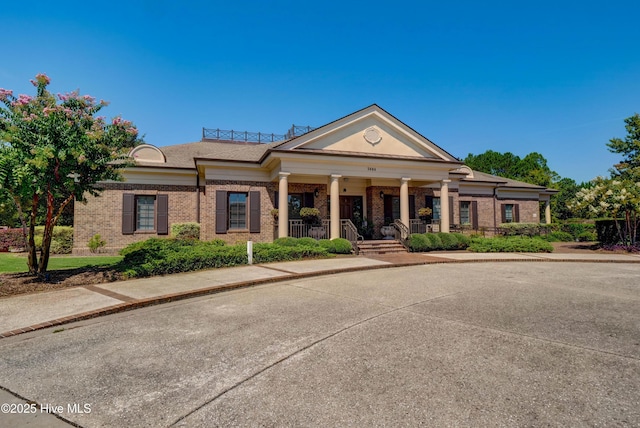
(554, 77)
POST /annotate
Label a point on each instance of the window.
(295, 205)
(465, 212)
(508, 213)
(436, 208)
(237, 211)
(145, 213)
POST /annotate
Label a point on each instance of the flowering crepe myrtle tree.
(55, 148)
(615, 198)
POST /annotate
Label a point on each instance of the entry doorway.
(351, 208)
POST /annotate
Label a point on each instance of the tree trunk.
(46, 236)
(32, 258)
(50, 222)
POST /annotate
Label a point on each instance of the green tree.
(53, 151)
(495, 163)
(532, 168)
(629, 148)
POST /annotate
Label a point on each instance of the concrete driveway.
(491, 344)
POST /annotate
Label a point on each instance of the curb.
(167, 298)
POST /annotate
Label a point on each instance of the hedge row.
(419, 242)
(556, 232)
(333, 246)
(510, 244)
(11, 238)
(61, 243)
(607, 231)
(157, 256)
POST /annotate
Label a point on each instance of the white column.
(404, 201)
(283, 205)
(335, 206)
(547, 212)
(444, 206)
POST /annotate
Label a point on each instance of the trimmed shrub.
(95, 243)
(511, 244)
(157, 256)
(419, 242)
(449, 241)
(577, 229)
(286, 242)
(265, 253)
(434, 240)
(61, 241)
(587, 237)
(558, 236)
(189, 230)
(336, 246)
(309, 242)
(11, 238)
(438, 241)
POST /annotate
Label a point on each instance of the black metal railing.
(241, 136)
(253, 137)
(401, 233)
(349, 231)
(296, 131)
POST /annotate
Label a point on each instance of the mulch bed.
(22, 283)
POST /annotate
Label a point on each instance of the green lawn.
(10, 262)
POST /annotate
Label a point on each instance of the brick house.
(367, 168)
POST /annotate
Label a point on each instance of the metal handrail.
(349, 231)
(401, 233)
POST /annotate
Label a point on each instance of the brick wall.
(103, 215)
(267, 203)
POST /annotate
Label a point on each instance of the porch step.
(369, 248)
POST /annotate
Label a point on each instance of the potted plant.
(424, 213)
(310, 215)
(274, 213)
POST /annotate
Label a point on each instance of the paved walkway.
(24, 313)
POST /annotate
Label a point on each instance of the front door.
(351, 208)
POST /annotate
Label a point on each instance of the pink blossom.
(43, 79)
(116, 120)
(22, 100)
(62, 97)
(4, 93)
(132, 131)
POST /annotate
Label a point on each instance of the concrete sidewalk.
(24, 313)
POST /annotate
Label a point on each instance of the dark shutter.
(412, 206)
(221, 211)
(516, 213)
(451, 218)
(474, 215)
(276, 201)
(308, 200)
(162, 214)
(254, 212)
(503, 208)
(128, 213)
